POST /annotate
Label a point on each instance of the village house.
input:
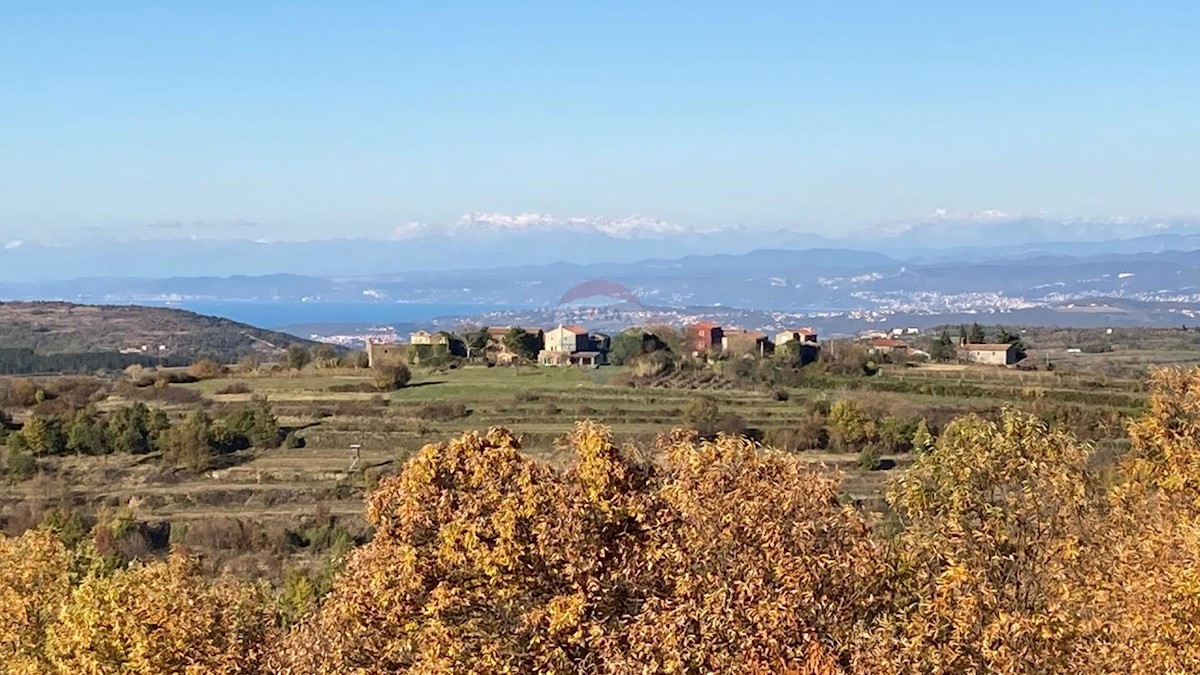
(422, 337)
(571, 346)
(988, 354)
(889, 346)
(705, 337)
(496, 335)
(566, 339)
(806, 335)
(746, 342)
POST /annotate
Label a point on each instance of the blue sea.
(281, 314)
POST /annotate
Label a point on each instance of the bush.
(808, 433)
(292, 441)
(703, 415)
(653, 364)
(391, 378)
(849, 427)
(869, 458)
(206, 369)
(732, 424)
(19, 393)
(362, 388)
(441, 411)
(896, 433)
(780, 395)
(526, 397)
(235, 388)
(19, 466)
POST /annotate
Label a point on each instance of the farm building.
(988, 354)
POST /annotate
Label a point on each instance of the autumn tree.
(850, 428)
(206, 369)
(485, 560)
(158, 618)
(1000, 521)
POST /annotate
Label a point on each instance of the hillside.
(65, 328)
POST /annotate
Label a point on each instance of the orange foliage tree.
(726, 558)
(63, 611)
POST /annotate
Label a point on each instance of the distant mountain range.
(951, 265)
(490, 241)
(814, 279)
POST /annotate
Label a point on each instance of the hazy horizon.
(325, 120)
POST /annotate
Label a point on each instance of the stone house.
(385, 354)
(802, 334)
(988, 354)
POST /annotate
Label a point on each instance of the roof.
(742, 333)
(800, 331)
(706, 325)
(578, 330)
(888, 342)
(498, 330)
(987, 347)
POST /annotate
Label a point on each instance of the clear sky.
(321, 119)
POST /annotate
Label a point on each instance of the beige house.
(807, 335)
(988, 354)
(567, 339)
(422, 337)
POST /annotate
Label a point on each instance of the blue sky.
(320, 119)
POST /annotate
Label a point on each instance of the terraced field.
(239, 512)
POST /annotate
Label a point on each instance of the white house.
(567, 339)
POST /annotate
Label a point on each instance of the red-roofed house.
(888, 346)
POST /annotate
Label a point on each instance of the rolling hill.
(55, 328)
